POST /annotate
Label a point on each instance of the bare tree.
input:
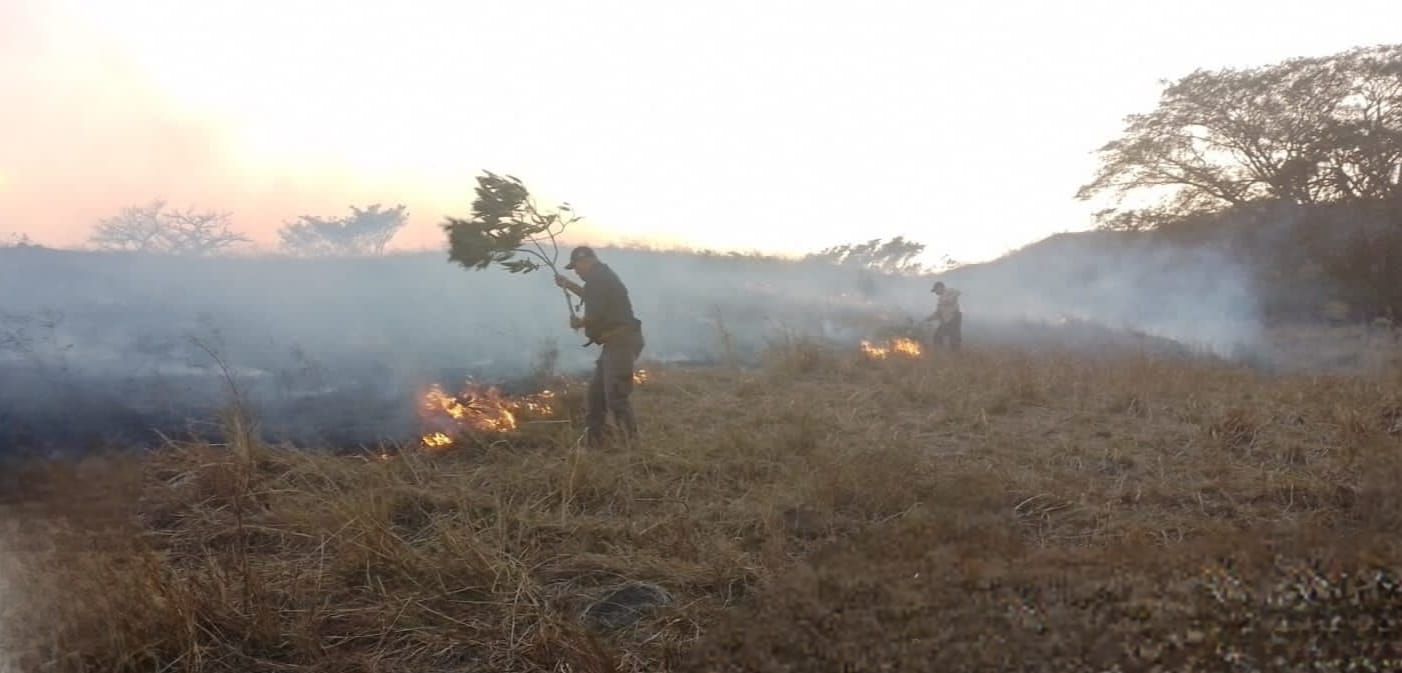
(194, 233)
(364, 232)
(17, 241)
(151, 228)
(135, 228)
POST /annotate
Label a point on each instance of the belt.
(610, 334)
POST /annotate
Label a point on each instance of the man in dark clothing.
(608, 320)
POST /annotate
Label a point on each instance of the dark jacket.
(606, 304)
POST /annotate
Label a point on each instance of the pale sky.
(753, 125)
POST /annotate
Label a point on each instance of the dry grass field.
(998, 511)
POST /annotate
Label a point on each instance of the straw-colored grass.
(995, 511)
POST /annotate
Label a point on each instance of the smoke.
(337, 350)
(1199, 296)
(104, 347)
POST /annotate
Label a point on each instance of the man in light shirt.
(948, 314)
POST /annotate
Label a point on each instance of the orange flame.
(437, 440)
(640, 377)
(902, 347)
(907, 347)
(480, 410)
(874, 352)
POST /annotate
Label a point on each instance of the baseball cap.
(582, 252)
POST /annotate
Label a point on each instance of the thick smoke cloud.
(1199, 296)
(337, 350)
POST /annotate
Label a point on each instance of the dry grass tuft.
(995, 511)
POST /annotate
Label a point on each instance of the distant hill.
(1295, 264)
(1053, 248)
(1198, 295)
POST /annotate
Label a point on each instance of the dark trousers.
(950, 330)
(611, 386)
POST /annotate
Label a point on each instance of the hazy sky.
(777, 126)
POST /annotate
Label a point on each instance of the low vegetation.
(830, 511)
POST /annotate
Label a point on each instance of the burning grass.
(898, 347)
(995, 511)
(477, 410)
